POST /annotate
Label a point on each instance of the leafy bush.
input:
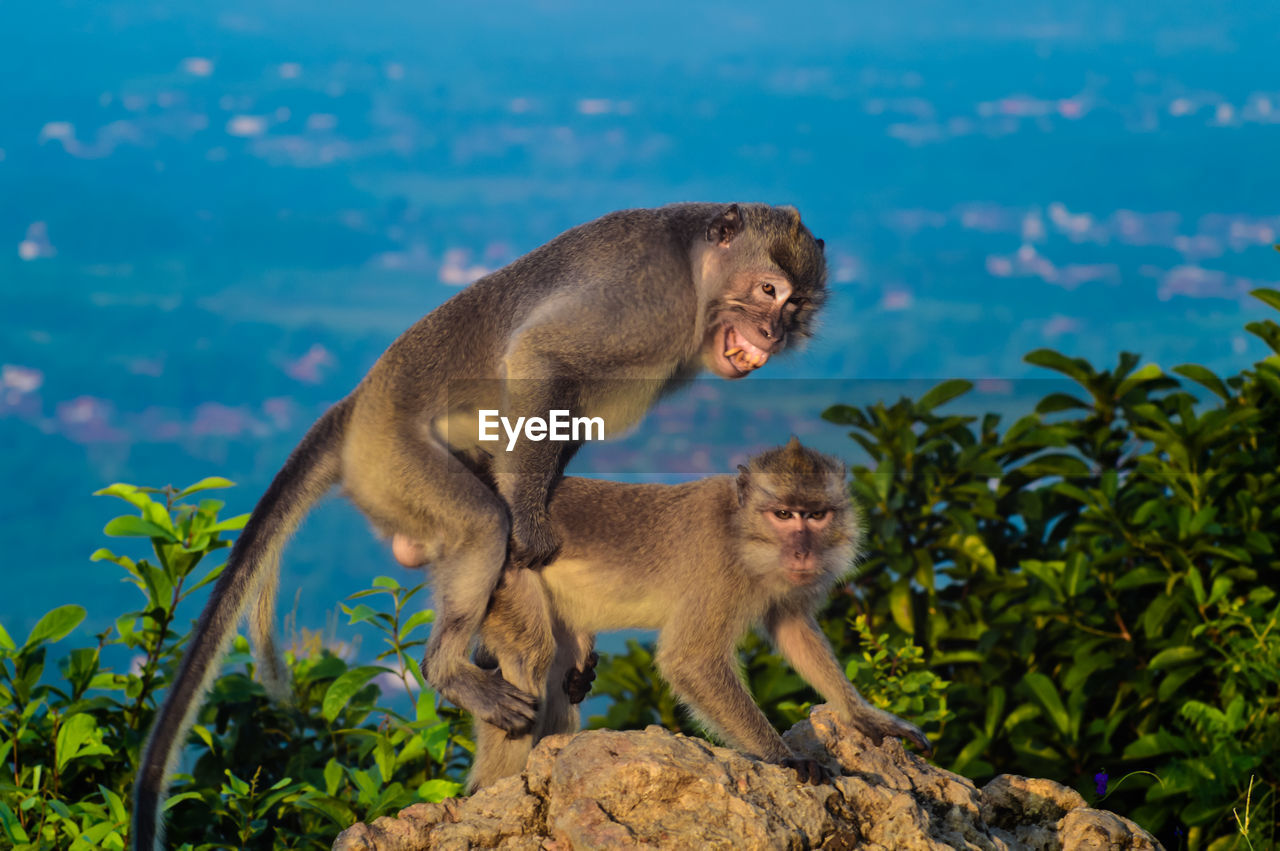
(70, 743)
(1096, 580)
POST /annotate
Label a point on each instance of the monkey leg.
(568, 681)
(414, 489)
(517, 638)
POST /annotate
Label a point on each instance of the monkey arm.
(527, 474)
(803, 645)
(707, 680)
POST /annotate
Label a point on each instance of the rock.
(651, 789)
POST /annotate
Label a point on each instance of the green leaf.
(384, 756)
(135, 527)
(233, 524)
(76, 738)
(5, 641)
(330, 807)
(1205, 378)
(56, 624)
(12, 828)
(206, 484)
(173, 800)
(131, 494)
(1146, 373)
(1055, 402)
(1140, 576)
(118, 813)
(976, 549)
(1174, 656)
(438, 790)
(900, 605)
(386, 582)
(1047, 695)
(415, 620)
(1049, 359)
(1175, 680)
(1267, 296)
(943, 393)
(333, 775)
(342, 689)
(1155, 744)
(1267, 331)
(1197, 586)
(361, 613)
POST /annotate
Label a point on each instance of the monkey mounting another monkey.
(600, 321)
(702, 563)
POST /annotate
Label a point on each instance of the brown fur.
(599, 321)
(702, 563)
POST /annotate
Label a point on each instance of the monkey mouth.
(740, 354)
(802, 575)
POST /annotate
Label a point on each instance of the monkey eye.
(782, 514)
(769, 289)
(817, 515)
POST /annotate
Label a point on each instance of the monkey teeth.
(742, 353)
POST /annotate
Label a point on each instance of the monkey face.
(798, 531)
(772, 277)
(753, 331)
(799, 528)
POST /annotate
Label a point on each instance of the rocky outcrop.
(653, 789)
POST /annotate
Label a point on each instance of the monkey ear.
(822, 246)
(725, 226)
(743, 483)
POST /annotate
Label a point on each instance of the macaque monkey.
(702, 563)
(600, 321)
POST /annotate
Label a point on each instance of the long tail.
(252, 570)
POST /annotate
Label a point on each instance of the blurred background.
(214, 217)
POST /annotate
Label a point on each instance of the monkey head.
(766, 275)
(799, 528)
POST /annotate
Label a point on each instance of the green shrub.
(263, 775)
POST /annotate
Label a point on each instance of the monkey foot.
(493, 700)
(807, 770)
(535, 546)
(577, 681)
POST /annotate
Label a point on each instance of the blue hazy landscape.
(214, 217)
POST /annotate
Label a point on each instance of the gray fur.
(703, 564)
(601, 319)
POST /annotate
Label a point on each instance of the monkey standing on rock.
(702, 563)
(600, 321)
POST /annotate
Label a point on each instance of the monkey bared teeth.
(742, 352)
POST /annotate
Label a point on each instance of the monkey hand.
(879, 725)
(533, 542)
(577, 681)
(807, 770)
(912, 733)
